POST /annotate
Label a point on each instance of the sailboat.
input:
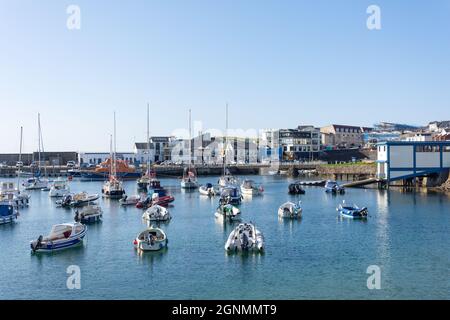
(148, 180)
(189, 180)
(36, 183)
(113, 188)
(227, 179)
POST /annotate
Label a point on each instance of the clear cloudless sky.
(278, 64)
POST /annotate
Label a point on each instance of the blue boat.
(62, 236)
(353, 212)
(7, 213)
(103, 176)
(230, 195)
(333, 187)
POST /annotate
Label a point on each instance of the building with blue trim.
(401, 160)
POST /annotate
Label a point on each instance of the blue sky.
(277, 63)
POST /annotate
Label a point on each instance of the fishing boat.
(353, 212)
(151, 239)
(296, 188)
(130, 200)
(89, 214)
(333, 187)
(159, 197)
(228, 211)
(245, 237)
(77, 200)
(189, 179)
(62, 236)
(290, 210)
(208, 190)
(156, 213)
(8, 213)
(250, 188)
(59, 188)
(230, 195)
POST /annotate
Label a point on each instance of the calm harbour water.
(320, 257)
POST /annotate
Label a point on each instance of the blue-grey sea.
(322, 256)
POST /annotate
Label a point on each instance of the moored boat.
(157, 213)
(250, 188)
(208, 190)
(59, 188)
(62, 236)
(334, 188)
(230, 195)
(353, 212)
(89, 214)
(77, 200)
(228, 211)
(296, 188)
(8, 213)
(159, 197)
(245, 237)
(130, 200)
(151, 239)
(290, 210)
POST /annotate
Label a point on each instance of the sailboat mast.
(39, 142)
(226, 142)
(190, 139)
(111, 154)
(20, 159)
(115, 146)
(148, 137)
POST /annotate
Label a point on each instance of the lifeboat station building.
(401, 160)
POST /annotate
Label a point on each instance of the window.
(428, 148)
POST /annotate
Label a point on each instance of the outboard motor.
(77, 217)
(244, 241)
(66, 200)
(36, 244)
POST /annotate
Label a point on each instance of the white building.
(98, 157)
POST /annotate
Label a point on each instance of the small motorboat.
(59, 188)
(62, 236)
(296, 188)
(290, 210)
(333, 187)
(77, 200)
(10, 194)
(7, 213)
(129, 200)
(156, 213)
(89, 214)
(245, 237)
(228, 211)
(159, 197)
(249, 188)
(353, 212)
(208, 190)
(230, 195)
(151, 239)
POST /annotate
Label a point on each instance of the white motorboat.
(151, 239)
(156, 213)
(228, 211)
(77, 200)
(208, 190)
(250, 188)
(88, 214)
(245, 237)
(130, 200)
(230, 195)
(7, 213)
(62, 236)
(59, 188)
(290, 210)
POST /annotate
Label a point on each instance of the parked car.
(19, 164)
(71, 164)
